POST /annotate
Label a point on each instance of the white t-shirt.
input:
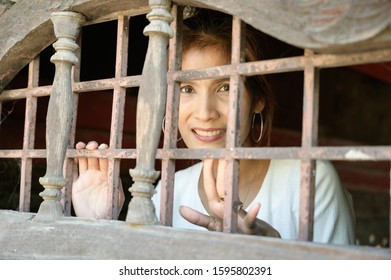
(279, 196)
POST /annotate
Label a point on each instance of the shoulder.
(185, 176)
(284, 169)
(288, 172)
(327, 182)
(323, 168)
(185, 182)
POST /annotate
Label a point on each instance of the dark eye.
(186, 89)
(224, 88)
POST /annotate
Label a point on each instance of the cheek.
(182, 115)
(246, 124)
(246, 120)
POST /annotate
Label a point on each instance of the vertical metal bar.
(118, 112)
(309, 139)
(310, 102)
(307, 195)
(233, 129)
(70, 166)
(171, 120)
(28, 138)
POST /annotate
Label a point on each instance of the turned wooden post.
(150, 109)
(59, 116)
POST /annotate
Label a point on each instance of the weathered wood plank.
(22, 238)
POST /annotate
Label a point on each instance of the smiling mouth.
(209, 133)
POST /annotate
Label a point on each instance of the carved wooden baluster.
(150, 109)
(59, 116)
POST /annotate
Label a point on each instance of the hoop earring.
(253, 125)
(164, 119)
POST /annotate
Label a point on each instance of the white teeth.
(210, 133)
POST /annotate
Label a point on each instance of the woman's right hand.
(90, 190)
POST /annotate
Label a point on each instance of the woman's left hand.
(248, 223)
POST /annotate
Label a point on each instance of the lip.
(208, 134)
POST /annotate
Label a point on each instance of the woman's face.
(203, 108)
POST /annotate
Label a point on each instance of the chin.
(195, 144)
(208, 146)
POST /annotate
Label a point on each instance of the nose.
(206, 109)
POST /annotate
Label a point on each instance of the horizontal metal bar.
(339, 60)
(271, 66)
(16, 94)
(96, 85)
(125, 82)
(351, 153)
(281, 65)
(348, 153)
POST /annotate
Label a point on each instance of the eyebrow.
(216, 80)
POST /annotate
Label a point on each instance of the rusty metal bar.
(307, 196)
(271, 66)
(309, 139)
(134, 11)
(340, 60)
(281, 65)
(171, 119)
(310, 103)
(28, 138)
(231, 189)
(88, 86)
(348, 153)
(355, 153)
(22, 93)
(117, 117)
(106, 84)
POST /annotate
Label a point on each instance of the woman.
(274, 184)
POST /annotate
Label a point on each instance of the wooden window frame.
(310, 63)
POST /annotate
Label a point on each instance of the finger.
(82, 161)
(220, 180)
(251, 216)
(195, 217)
(93, 163)
(247, 220)
(210, 182)
(216, 206)
(103, 162)
(75, 173)
(249, 224)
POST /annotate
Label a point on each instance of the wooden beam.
(91, 239)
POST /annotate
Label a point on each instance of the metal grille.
(310, 63)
